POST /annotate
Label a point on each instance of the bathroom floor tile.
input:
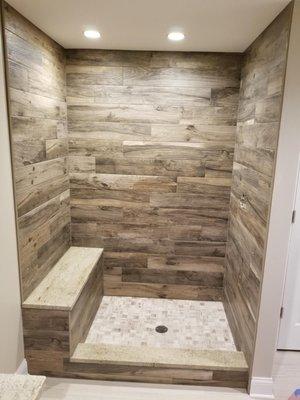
(131, 321)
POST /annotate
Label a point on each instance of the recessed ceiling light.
(92, 34)
(176, 36)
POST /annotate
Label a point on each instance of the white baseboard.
(261, 388)
(22, 369)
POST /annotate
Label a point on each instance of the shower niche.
(143, 183)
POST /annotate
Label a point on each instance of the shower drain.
(161, 329)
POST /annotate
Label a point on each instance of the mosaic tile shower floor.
(131, 321)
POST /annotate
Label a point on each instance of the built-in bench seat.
(63, 285)
(59, 312)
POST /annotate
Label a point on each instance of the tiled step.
(157, 357)
(160, 365)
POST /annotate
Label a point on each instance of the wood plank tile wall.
(36, 91)
(151, 140)
(262, 85)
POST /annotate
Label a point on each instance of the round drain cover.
(161, 329)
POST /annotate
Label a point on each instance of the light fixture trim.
(92, 34)
(176, 36)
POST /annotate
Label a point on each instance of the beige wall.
(281, 211)
(11, 337)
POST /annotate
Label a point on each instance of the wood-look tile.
(131, 151)
(93, 75)
(56, 148)
(23, 129)
(210, 115)
(193, 133)
(109, 130)
(38, 113)
(23, 104)
(174, 150)
(36, 195)
(177, 76)
(157, 167)
(136, 183)
(128, 113)
(259, 114)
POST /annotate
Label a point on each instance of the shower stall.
(143, 183)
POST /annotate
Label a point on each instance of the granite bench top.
(62, 286)
(20, 387)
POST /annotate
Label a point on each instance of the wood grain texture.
(154, 374)
(151, 139)
(261, 93)
(38, 112)
(83, 313)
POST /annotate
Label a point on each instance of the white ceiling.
(209, 25)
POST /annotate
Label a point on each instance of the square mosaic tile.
(131, 321)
